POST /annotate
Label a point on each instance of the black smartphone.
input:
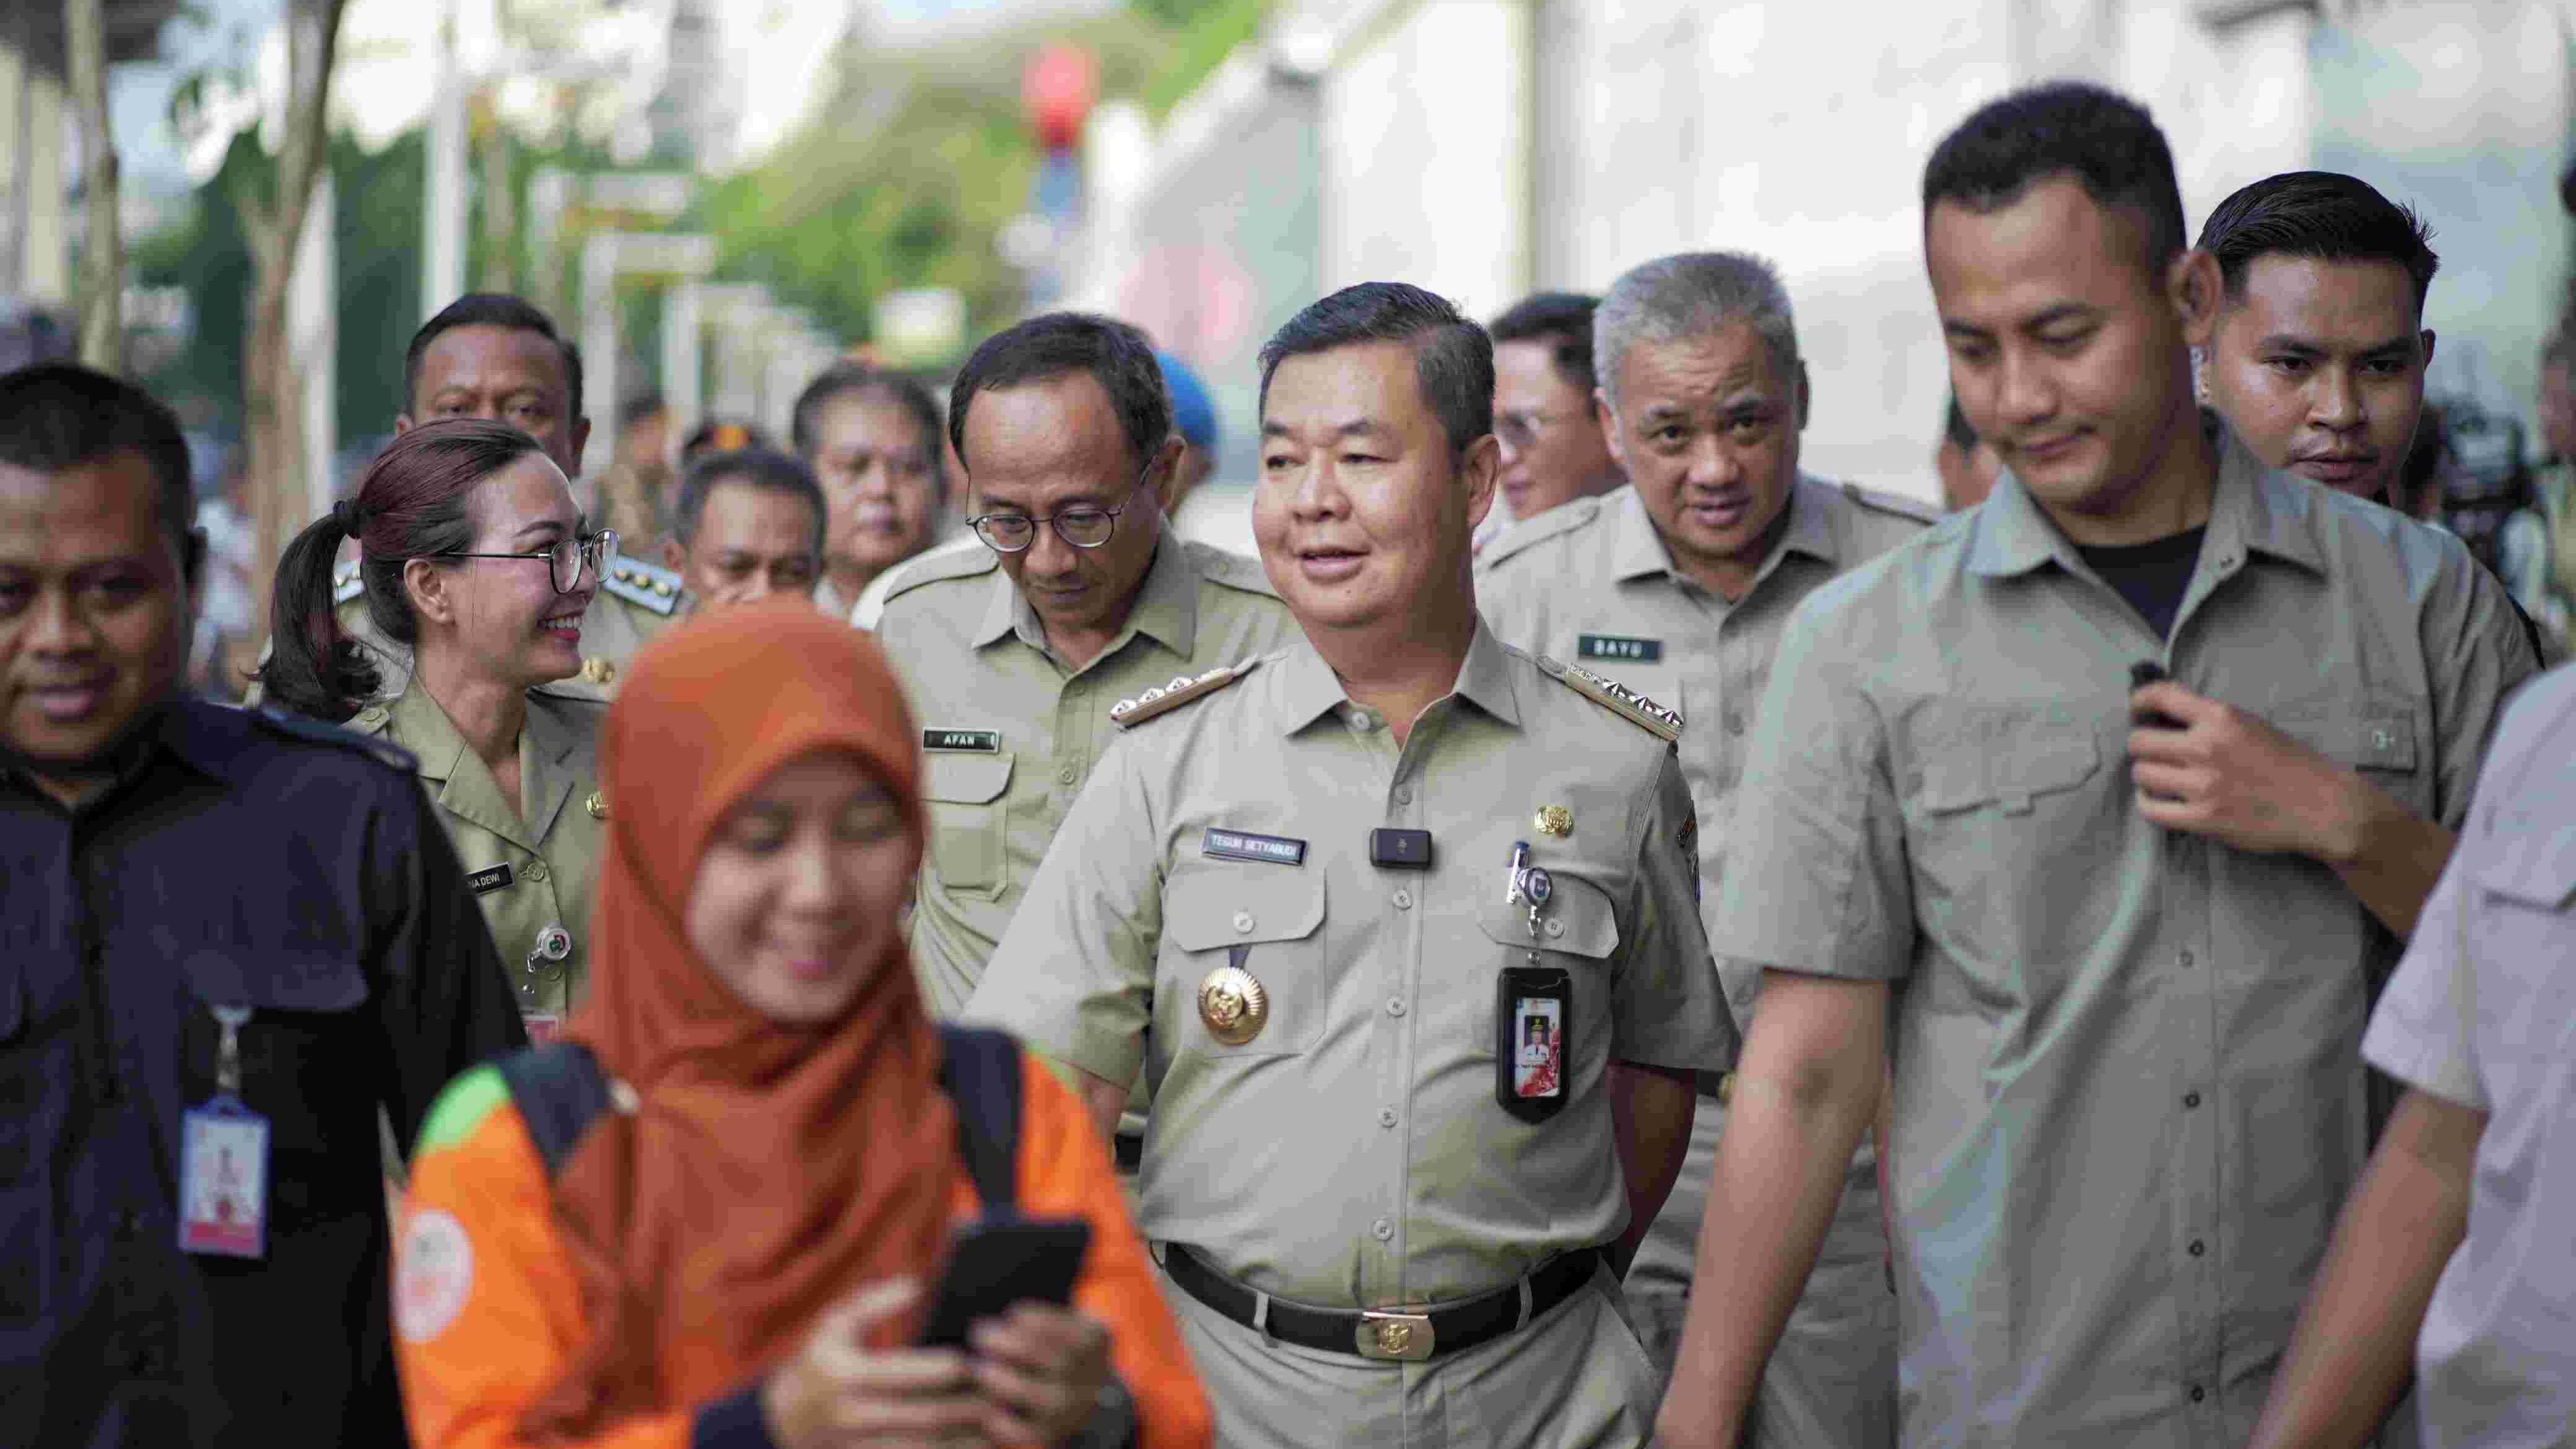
(995, 1262)
(2142, 674)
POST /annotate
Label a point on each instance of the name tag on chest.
(984, 742)
(1618, 647)
(484, 882)
(1236, 845)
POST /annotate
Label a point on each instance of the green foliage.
(1209, 32)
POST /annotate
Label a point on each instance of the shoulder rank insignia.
(1617, 698)
(345, 584)
(1182, 689)
(637, 582)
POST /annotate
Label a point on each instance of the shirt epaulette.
(296, 726)
(345, 584)
(648, 586)
(1223, 566)
(940, 563)
(1564, 518)
(1901, 506)
(1128, 713)
(1619, 699)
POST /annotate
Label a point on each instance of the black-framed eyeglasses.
(565, 560)
(1084, 527)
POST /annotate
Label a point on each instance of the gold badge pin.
(598, 669)
(597, 804)
(1554, 820)
(1233, 1005)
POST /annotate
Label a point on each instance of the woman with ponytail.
(473, 556)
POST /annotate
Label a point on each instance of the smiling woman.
(473, 555)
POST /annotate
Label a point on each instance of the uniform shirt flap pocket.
(1209, 911)
(279, 981)
(1578, 919)
(2009, 754)
(964, 779)
(2534, 869)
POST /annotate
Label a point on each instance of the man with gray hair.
(1678, 586)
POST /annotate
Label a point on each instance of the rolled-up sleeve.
(1668, 1009)
(1817, 880)
(1074, 975)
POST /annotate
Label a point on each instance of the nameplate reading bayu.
(1614, 646)
(1236, 845)
(987, 742)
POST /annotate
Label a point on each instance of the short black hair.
(2322, 214)
(1117, 355)
(763, 468)
(1453, 360)
(1955, 427)
(2105, 142)
(56, 416)
(492, 309)
(1561, 318)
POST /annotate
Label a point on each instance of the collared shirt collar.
(466, 787)
(1313, 690)
(1640, 551)
(187, 730)
(2250, 507)
(1166, 608)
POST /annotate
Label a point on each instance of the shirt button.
(536, 871)
(2198, 1393)
(1404, 794)
(2190, 1100)
(1243, 920)
(1386, 1116)
(1555, 927)
(1735, 724)
(1383, 1230)
(2198, 1247)
(1403, 899)
(2186, 958)
(1395, 1006)
(1066, 775)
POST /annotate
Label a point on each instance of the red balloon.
(1058, 87)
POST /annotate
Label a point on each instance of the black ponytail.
(313, 667)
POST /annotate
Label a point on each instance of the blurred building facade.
(1486, 148)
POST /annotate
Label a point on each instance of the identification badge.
(1533, 1035)
(983, 742)
(543, 1026)
(223, 1180)
(1617, 648)
(1241, 845)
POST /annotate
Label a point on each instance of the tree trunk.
(500, 215)
(102, 326)
(271, 386)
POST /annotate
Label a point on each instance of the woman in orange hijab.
(729, 1254)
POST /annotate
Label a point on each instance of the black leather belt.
(1130, 1150)
(1392, 1334)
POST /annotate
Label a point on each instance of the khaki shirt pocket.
(2374, 737)
(1578, 920)
(966, 818)
(2517, 919)
(2005, 809)
(1277, 915)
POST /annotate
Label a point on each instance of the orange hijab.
(768, 1171)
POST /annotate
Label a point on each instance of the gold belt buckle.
(1401, 1337)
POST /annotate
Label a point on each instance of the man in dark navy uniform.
(227, 941)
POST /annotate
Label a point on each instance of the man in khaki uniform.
(488, 355)
(1014, 650)
(1678, 586)
(531, 876)
(2133, 924)
(1399, 924)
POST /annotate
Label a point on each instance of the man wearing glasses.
(1081, 597)
(1553, 448)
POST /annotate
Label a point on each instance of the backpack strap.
(558, 1089)
(980, 1069)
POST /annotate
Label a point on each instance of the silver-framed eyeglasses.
(1088, 526)
(565, 559)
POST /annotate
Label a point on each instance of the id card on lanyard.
(223, 1160)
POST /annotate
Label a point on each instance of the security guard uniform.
(636, 600)
(532, 869)
(1325, 951)
(285, 874)
(1593, 582)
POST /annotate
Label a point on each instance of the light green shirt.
(1353, 1152)
(1010, 733)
